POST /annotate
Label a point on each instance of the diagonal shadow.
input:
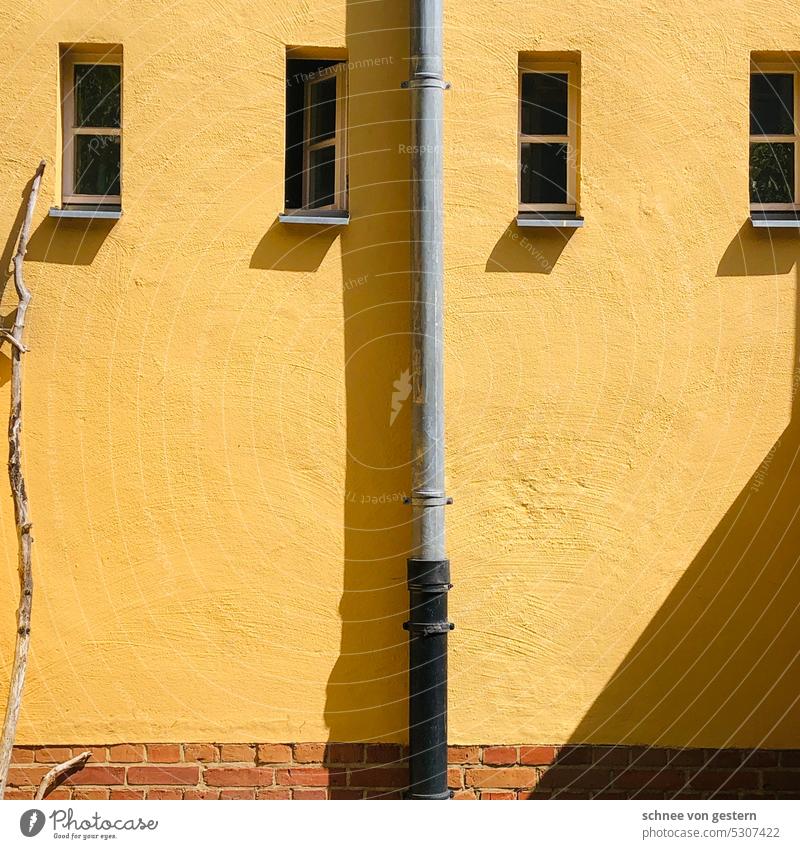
(718, 665)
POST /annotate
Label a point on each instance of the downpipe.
(428, 567)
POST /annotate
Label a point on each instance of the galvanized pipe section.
(428, 568)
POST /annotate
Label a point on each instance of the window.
(548, 136)
(316, 131)
(773, 137)
(92, 125)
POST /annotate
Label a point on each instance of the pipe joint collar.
(428, 576)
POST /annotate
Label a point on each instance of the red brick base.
(366, 771)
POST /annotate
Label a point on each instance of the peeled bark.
(18, 492)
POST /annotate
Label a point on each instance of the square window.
(316, 134)
(548, 135)
(91, 98)
(774, 140)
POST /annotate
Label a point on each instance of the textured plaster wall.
(214, 479)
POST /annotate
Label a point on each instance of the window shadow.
(69, 241)
(718, 664)
(759, 253)
(366, 696)
(528, 250)
(293, 247)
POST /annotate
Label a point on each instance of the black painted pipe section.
(428, 585)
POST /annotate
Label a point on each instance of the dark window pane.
(97, 95)
(323, 110)
(300, 77)
(771, 104)
(772, 173)
(322, 177)
(544, 104)
(97, 165)
(543, 173)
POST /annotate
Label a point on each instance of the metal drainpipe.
(428, 568)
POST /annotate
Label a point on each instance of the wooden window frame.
(338, 141)
(69, 60)
(570, 139)
(767, 68)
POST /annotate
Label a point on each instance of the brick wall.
(365, 771)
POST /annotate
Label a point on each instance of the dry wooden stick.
(17, 480)
(70, 766)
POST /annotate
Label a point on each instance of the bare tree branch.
(57, 772)
(17, 480)
(6, 335)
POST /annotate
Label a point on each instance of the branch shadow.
(718, 664)
(10, 246)
(9, 249)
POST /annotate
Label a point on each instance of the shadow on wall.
(9, 249)
(719, 663)
(528, 250)
(293, 247)
(68, 241)
(59, 241)
(367, 688)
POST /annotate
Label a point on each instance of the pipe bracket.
(428, 629)
(429, 588)
(428, 499)
(426, 82)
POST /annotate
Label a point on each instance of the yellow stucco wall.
(214, 481)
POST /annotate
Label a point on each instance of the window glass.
(323, 109)
(97, 100)
(322, 176)
(97, 165)
(771, 104)
(315, 160)
(543, 176)
(772, 172)
(544, 104)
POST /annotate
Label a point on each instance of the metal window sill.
(553, 220)
(315, 216)
(775, 220)
(113, 212)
